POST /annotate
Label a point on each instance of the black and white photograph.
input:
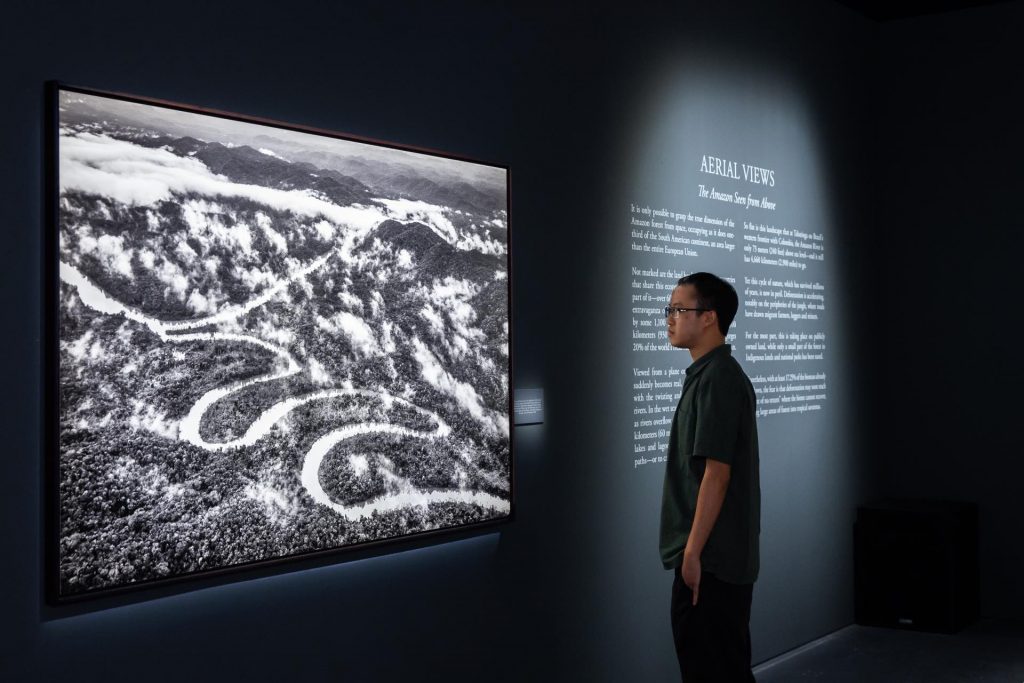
(272, 342)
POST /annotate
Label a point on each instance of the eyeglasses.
(673, 311)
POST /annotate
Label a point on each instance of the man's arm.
(709, 504)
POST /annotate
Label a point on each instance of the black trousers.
(713, 637)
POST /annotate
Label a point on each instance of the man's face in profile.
(684, 328)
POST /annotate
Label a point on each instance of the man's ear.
(713, 317)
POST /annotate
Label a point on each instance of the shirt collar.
(702, 362)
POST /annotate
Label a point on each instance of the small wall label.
(529, 406)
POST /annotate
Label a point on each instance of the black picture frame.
(68, 473)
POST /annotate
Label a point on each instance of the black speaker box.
(916, 565)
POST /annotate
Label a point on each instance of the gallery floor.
(988, 651)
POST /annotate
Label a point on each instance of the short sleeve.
(720, 404)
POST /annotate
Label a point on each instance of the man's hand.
(690, 571)
(709, 503)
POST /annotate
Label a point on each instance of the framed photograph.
(266, 342)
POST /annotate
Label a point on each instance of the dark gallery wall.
(949, 235)
(571, 590)
(465, 610)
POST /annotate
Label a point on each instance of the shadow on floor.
(989, 651)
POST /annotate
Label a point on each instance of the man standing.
(711, 504)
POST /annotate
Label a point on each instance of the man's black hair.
(715, 294)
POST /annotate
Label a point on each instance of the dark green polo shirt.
(715, 419)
